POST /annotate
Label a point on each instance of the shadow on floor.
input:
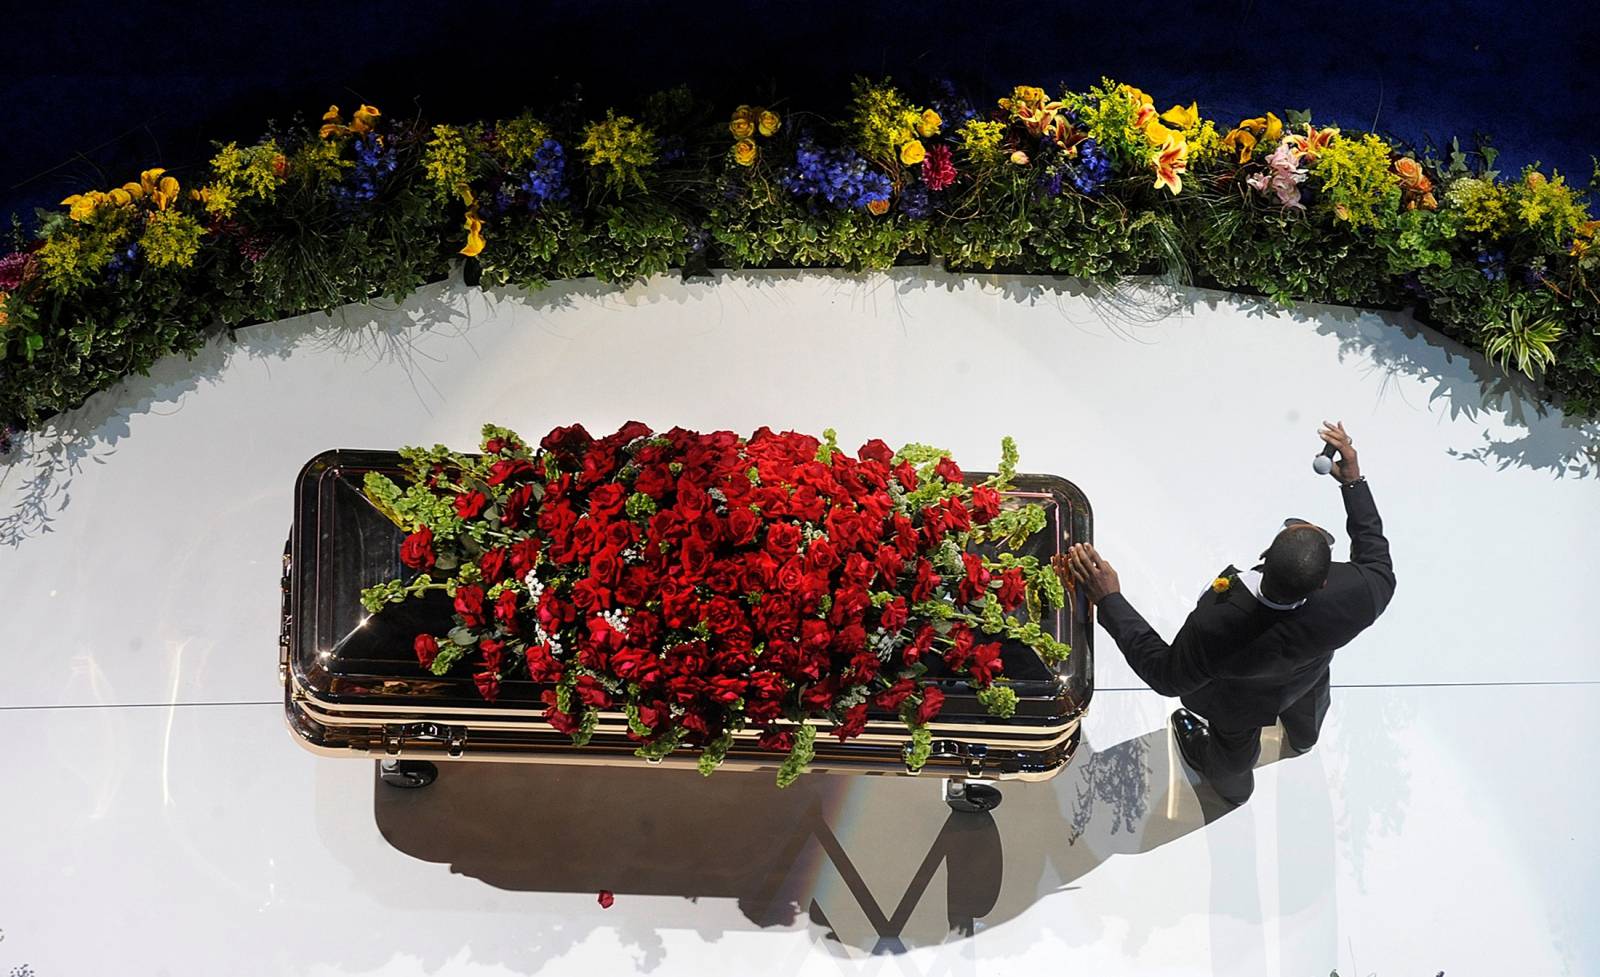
(832, 850)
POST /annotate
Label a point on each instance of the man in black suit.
(1256, 648)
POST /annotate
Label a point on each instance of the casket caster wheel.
(407, 773)
(966, 797)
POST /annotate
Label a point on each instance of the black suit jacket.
(1240, 663)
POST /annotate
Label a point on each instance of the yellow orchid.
(1184, 119)
(1170, 163)
(475, 240)
(1311, 145)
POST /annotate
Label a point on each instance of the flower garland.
(1099, 184)
(703, 584)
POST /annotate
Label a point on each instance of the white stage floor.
(158, 818)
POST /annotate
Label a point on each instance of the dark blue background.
(95, 92)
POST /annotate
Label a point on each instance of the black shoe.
(1288, 749)
(1191, 735)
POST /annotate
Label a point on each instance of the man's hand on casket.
(1081, 566)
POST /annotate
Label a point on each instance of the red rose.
(488, 685)
(892, 697)
(776, 740)
(859, 570)
(875, 450)
(636, 586)
(906, 542)
(516, 505)
(853, 724)
(976, 583)
(932, 702)
(469, 604)
(955, 512)
(563, 722)
(806, 504)
(906, 474)
(743, 526)
(815, 635)
(927, 582)
(491, 651)
(790, 575)
(821, 557)
(567, 440)
(724, 577)
(505, 610)
(696, 556)
(591, 693)
(1013, 589)
(985, 503)
(427, 649)
(471, 505)
(654, 481)
(542, 665)
(948, 470)
(637, 665)
(417, 551)
(606, 567)
(723, 615)
(590, 595)
(852, 638)
(524, 554)
(894, 615)
(606, 501)
(760, 571)
(890, 563)
(985, 664)
(494, 446)
(506, 469)
(493, 566)
(921, 644)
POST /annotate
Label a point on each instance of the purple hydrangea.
(838, 176)
(547, 180)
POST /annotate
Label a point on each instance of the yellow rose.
(1020, 158)
(1220, 585)
(769, 123)
(742, 127)
(913, 153)
(930, 123)
(878, 207)
(745, 152)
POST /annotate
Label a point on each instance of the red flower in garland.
(469, 604)
(470, 505)
(417, 551)
(985, 503)
(1013, 589)
(948, 470)
(492, 565)
(427, 649)
(975, 584)
(985, 664)
(932, 702)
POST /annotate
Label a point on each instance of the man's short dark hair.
(1296, 564)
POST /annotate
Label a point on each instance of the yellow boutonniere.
(1221, 585)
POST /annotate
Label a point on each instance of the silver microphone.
(1323, 464)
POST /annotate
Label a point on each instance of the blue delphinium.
(953, 107)
(374, 162)
(547, 179)
(914, 202)
(1093, 168)
(1492, 265)
(838, 176)
(123, 260)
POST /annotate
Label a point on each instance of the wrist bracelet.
(1354, 481)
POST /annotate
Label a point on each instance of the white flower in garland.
(616, 619)
(535, 586)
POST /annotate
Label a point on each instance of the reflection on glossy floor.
(1442, 824)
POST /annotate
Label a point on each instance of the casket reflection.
(352, 684)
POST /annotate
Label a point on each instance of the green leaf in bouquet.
(383, 493)
(448, 655)
(659, 748)
(800, 756)
(586, 726)
(920, 748)
(715, 752)
(999, 700)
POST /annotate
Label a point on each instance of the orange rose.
(878, 207)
